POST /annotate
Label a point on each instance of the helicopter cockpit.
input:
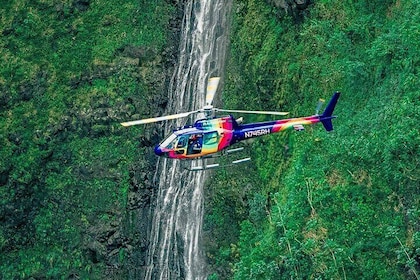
(189, 143)
(181, 144)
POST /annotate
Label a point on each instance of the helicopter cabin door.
(195, 143)
(211, 142)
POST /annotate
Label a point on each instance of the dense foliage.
(318, 205)
(71, 70)
(313, 205)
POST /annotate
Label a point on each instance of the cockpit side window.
(182, 142)
(211, 138)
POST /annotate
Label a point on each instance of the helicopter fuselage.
(210, 136)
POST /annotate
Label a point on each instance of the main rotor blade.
(158, 119)
(253, 112)
(211, 89)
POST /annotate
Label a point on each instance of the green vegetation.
(313, 205)
(318, 205)
(71, 70)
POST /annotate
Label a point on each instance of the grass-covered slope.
(70, 72)
(318, 205)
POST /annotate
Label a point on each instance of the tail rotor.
(319, 106)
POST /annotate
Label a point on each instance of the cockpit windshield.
(169, 142)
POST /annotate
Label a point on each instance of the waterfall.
(174, 249)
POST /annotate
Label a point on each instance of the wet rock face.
(121, 241)
(293, 8)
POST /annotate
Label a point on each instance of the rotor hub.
(208, 107)
(208, 111)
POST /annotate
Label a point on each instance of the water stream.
(174, 251)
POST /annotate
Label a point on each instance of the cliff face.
(76, 187)
(123, 244)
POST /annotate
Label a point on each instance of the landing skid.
(205, 166)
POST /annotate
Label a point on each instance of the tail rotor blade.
(158, 119)
(319, 105)
(252, 112)
(211, 90)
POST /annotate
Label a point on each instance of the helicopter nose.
(158, 151)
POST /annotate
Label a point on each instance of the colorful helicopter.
(211, 135)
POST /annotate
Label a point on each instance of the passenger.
(194, 145)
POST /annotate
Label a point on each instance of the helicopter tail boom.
(327, 116)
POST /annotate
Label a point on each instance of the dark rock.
(4, 97)
(4, 177)
(15, 138)
(99, 130)
(133, 51)
(25, 92)
(96, 251)
(73, 276)
(293, 8)
(115, 240)
(81, 5)
(7, 31)
(83, 170)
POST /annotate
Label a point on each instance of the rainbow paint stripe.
(258, 129)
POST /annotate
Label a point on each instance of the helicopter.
(211, 136)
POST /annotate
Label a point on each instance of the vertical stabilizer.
(327, 116)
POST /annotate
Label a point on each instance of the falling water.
(174, 250)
